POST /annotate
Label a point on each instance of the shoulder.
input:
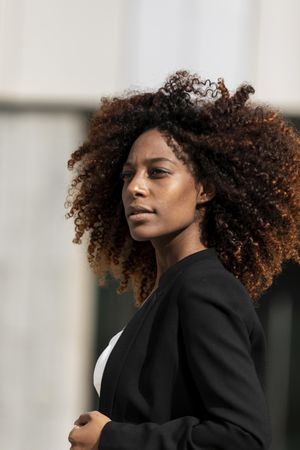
(207, 290)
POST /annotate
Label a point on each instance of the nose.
(137, 185)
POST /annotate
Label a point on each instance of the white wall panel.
(59, 51)
(46, 298)
(214, 38)
(278, 54)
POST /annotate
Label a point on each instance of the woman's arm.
(218, 348)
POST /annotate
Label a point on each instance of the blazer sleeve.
(215, 316)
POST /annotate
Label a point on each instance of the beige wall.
(59, 51)
(57, 54)
(74, 51)
(278, 54)
(46, 300)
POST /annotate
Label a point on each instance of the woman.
(192, 194)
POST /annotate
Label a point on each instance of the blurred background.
(56, 60)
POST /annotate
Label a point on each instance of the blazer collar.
(208, 254)
(119, 353)
(118, 356)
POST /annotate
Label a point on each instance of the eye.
(123, 175)
(158, 171)
(154, 171)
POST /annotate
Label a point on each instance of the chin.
(141, 237)
(138, 234)
(150, 232)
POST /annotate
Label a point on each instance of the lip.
(141, 216)
(137, 209)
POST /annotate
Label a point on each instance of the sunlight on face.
(155, 179)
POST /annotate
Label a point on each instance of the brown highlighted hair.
(249, 152)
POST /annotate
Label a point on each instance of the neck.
(170, 249)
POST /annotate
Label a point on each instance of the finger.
(83, 419)
(71, 437)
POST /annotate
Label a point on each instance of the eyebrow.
(159, 158)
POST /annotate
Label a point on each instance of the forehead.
(152, 144)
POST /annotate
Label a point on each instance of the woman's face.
(154, 178)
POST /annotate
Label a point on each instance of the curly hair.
(249, 152)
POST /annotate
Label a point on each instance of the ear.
(206, 191)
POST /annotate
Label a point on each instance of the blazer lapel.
(118, 356)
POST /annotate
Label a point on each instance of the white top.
(101, 361)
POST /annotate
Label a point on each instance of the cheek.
(184, 198)
(179, 204)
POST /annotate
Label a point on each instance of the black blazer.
(187, 372)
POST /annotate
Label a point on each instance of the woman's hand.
(85, 435)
